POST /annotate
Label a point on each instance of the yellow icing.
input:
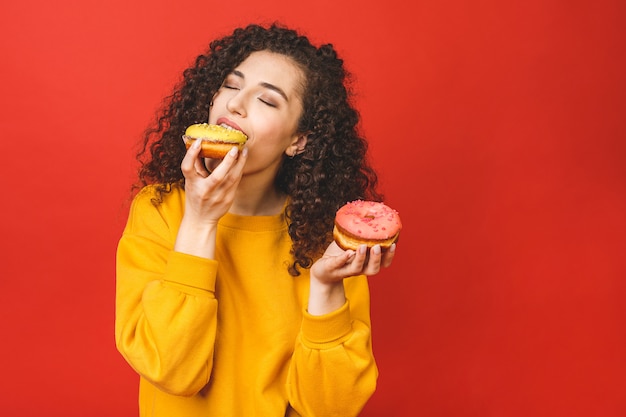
(214, 132)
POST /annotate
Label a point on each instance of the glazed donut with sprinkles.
(366, 222)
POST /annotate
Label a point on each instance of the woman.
(232, 299)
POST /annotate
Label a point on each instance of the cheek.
(219, 102)
(267, 129)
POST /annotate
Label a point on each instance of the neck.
(252, 200)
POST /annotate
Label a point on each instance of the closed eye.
(267, 102)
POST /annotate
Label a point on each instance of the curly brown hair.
(332, 170)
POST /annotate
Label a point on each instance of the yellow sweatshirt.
(231, 337)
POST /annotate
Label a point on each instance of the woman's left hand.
(327, 274)
(337, 264)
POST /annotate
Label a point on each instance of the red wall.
(498, 131)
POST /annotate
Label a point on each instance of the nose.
(236, 104)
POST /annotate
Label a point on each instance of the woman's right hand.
(208, 196)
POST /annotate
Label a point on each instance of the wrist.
(196, 239)
(325, 297)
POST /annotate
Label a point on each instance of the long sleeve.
(333, 371)
(166, 310)
(260, 353)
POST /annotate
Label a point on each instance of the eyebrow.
(265, 85)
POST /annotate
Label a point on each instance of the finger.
(355, 266)
(339, 263)
(241, 161)
(189, 161)
(200, 167)
(226, 164)
(374, 261)
(388, 256)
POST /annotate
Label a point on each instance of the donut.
(366, 223)
(216, 140)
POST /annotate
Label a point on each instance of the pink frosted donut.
(366, 222)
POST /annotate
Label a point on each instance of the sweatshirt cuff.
(332, 328)
(191, 270)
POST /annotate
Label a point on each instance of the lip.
(228, 122)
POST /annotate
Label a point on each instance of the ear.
(297, 145)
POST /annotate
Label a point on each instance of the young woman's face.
(263, 98)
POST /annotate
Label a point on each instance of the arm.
(333, 371)
(165, 304)
(166, 311)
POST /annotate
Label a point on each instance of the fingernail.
(392, 248)
(197, 143)
(362, 249)
(244, 152)
(376, 249)
(233, 151)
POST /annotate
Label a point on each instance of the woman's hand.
(337, 264)
(208, 196)
(328, 272)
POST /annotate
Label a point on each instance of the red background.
(498, 131)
